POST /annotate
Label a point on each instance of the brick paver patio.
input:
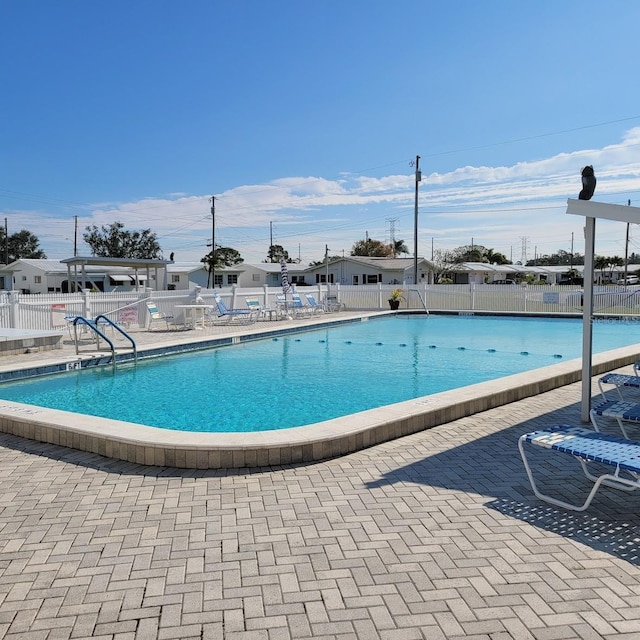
(435, 535)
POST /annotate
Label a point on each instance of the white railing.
(47, 311)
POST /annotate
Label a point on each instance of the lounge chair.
(331, 303)
(620, 410)
(620, 380)
(317, 308)
(299, 308)
(587, 446)
(226, 315)
(155, 315)
(256, 306)
(284, 306)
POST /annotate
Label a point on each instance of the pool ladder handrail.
(424, 304)
(93, 325)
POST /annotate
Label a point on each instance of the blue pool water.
(308, 377)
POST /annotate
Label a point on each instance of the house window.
(355, 280)
(232, 278)
(217, 280)
(371, 279)
(255, 277)
(37, 279)
(175, 278)
(297, 279)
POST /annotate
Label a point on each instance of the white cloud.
(498, 206)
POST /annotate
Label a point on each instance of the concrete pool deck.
(165, 448)
(432, 536)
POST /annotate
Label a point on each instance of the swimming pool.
(299, 379)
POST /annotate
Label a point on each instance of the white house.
(357, 270)
(101, 274)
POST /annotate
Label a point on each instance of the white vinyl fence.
(44, 312)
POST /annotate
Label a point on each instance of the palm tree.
(601, 263)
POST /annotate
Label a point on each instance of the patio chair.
(317, 308)
(284, 306)
(155, 315)
(226, 315)
(587, 446)
(256, 306)
(299, 308)
(331, 303)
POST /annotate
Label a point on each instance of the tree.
(371, 248)
(218, 258)
(441, 263)
(399, 247)
(20, 245)
(557, 259)
(276, 253)
(114, 242)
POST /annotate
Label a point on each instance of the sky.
(304, 121)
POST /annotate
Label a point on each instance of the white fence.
(44, 312)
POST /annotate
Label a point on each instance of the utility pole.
(571, 257)
(6, 242)
(271, 240)
(326, 260)
(213, 242)
(415, 223)
(75, 237)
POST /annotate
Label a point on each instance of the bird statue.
(588, 183)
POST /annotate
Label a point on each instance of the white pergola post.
(591, 210)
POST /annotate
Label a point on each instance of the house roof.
(384, 264)
(115, 262)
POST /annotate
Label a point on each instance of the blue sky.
(302, 118)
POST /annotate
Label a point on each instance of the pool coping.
(297, 445)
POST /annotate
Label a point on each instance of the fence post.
(379, 295)
(524, 296)
(14, 297)
(86, 303)
(265, 288)
(472, 287)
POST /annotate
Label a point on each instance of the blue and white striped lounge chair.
(620, 410)
(587, 446)
(299, 308)
(317, 308)
(620, 380)
(225, 314)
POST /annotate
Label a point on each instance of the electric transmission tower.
(525, 243)
(392, 234)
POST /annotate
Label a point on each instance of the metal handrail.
(424, 304)
(110, 322)
(93, 325)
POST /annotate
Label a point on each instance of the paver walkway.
(435, 535)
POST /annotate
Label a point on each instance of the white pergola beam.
(591, 209)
